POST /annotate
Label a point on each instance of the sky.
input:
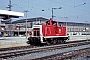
(71, 11)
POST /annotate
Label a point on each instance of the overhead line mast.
(9, 6)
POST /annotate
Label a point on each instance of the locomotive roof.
(52, 21)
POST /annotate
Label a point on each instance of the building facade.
(19, 27)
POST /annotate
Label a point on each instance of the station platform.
(6, 42)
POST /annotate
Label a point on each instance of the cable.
(79, 10)
(65, 4)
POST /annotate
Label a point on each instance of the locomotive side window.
(47, 23)
(54, 24)
(59, 24)
(36, 32)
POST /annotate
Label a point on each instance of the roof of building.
(4, 14)
(31, 20)
(45, 19)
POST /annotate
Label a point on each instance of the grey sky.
(72, 10)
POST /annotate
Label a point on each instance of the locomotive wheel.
(54, 42)
(62, 41)
(48, 43)
(59, 41)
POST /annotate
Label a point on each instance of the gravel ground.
(12, 41)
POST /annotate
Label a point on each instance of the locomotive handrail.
(50, 30)
(46, 31)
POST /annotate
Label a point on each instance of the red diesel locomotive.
(50, 33)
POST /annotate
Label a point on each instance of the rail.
(21, 52)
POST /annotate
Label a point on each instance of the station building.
(18, 28)
(74, 28)
(5, 17)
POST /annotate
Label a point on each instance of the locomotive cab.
(51, 33)
(34, 39)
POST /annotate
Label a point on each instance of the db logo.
(59, 30)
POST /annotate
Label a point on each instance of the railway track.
(66, 55)
(21, 52)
